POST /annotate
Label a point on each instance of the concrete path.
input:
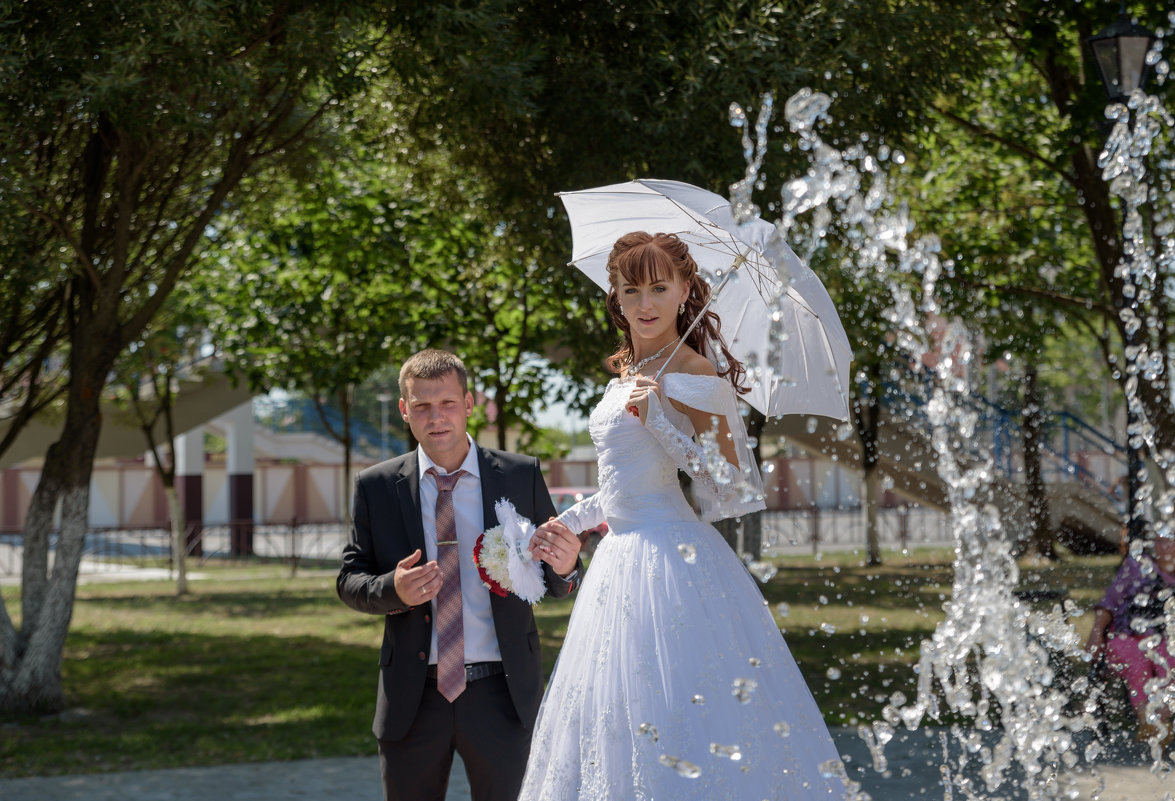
(913, 773)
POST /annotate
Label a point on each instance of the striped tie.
(450, 633)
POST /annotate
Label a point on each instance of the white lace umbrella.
(779, 322)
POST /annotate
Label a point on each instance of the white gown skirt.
(674, 682)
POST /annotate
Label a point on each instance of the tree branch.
(1011, 144)
(1085, 304)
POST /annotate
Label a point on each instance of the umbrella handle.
(738, 262)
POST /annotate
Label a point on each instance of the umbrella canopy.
(785, 330)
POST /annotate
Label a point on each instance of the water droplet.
(782, 609)
(805, 108)
(688, 552)
(686, 769)
(698, 699)
(755, 661)
(742, 689)
(832, 768)
(730, 752)
(832, 673)
(650, 731)
(782, 729)
(763, 571)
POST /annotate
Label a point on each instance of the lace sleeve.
(723, 489)
(586, 514)
(702, 463)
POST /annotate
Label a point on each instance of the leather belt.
(473, 672)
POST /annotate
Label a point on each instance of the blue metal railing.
(1067, 439)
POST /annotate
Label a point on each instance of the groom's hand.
(556, 545)
(417, 585)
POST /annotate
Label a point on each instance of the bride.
(673, 681)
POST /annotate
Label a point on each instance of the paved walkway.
(913, 773)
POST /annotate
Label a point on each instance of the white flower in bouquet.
(502, 558)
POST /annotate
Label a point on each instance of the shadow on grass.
(149, 699)
(234, 602)
(158, 681)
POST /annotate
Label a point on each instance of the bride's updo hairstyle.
(641, 258)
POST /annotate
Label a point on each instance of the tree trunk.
(866, 417)
(1040, 539)
(872, 503)
(179, 539)
(30, 666)
(500, 405)
(345, 401)
(1106, 235)
(753, 523)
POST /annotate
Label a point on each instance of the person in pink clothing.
(1130, 612)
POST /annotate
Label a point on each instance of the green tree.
(124, 130)
(1011, 231)
(147, 379)
(314, 291)
(542, 97)
(1037, 118)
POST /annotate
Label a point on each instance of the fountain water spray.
(1138, 163)
(993, 662)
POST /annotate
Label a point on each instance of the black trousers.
(481, 725)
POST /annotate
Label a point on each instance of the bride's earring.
(681, 310)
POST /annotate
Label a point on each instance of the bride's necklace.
(636, 368)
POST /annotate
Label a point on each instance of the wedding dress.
(673, 681)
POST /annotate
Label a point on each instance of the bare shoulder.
(696, 364)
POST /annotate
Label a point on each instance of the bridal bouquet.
(503, 562)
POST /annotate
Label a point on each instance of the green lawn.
(257, 665)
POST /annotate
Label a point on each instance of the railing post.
(1065, 439)
(293, 547)
(997, 436)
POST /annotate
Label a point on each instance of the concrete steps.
(1083, 518)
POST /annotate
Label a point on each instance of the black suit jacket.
(385, 528)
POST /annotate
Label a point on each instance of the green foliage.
(1007, 180)
(601, 91)
(313, 296)
(123, 129)
(542, 97)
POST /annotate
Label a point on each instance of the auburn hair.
(642, 258)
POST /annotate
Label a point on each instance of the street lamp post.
(1119, 52)
(383, 399)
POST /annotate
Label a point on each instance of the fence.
(815, 530)
(114, 551)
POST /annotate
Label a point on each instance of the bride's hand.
(638, 401)
(556, 544)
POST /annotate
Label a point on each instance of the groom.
(459, 666)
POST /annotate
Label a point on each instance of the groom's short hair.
(432, 363)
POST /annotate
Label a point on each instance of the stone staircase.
(1082, 514)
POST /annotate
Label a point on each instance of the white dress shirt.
(481, 639)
